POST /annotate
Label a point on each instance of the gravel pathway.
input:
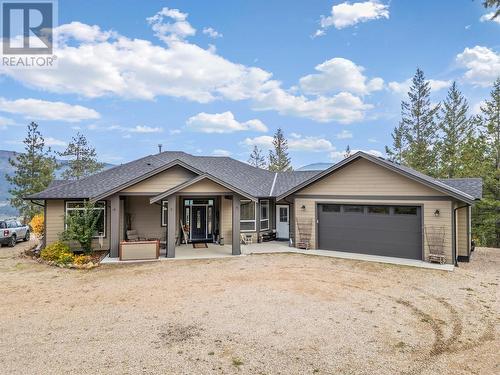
(259, 314)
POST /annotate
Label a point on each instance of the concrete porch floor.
(217, 251)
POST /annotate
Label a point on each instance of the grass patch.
(237, 362)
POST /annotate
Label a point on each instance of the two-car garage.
(394, 231)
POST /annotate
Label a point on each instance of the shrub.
(82, 259)
(81, 226)
(37, 224)
(57, 252)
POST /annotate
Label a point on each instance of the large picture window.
(164, 213)
(74, 207)
(247, 218)
(264, 215)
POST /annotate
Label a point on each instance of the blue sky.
(215, 78)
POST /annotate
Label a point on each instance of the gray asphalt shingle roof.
(256, 182)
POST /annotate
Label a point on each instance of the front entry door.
(282, 221)
(198, 223)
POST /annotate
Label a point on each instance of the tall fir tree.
(455, 128)
(33, 172)
(279, 160)
(396, 153)
(419, 125)
(82, 159)
(257, 158)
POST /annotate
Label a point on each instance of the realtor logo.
(27, 27)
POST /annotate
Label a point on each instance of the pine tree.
(347, 152)
(396, 153)
(419, 122)
(82, 159)
(491, 115)
(455, 127)
(474, 150)
(493, 4)
(34, 171)
(279, 161)
(256, 158)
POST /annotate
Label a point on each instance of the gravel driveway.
(259, 314)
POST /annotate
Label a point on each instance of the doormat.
(200, 245)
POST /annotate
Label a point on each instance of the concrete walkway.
(213, 251)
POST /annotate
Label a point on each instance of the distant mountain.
(315, 167)
(6, 210)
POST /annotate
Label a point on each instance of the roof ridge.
(274, 183)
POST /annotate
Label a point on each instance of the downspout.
(455, 232)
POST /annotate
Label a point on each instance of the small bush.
(57, 252)
(82, 259)
(37, 224)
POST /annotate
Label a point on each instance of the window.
(354, 209)
(330, 208)
(3, 225)
(404, 210)
(378, 210)
(247, 218)
(75, 207)
(283, 214)
(264, 215)
(164, 213)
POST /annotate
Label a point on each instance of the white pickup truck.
(11, 231)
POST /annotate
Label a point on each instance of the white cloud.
(36, 109)
(50, 141)
(145, 129)
(212, 33)
(4, 122)
(221, 152)
(372, 140)
(347, 14)
(169, 32)
(339, 155)
(339, 74)
(404, 87)
(175, 131)
(476, 108)
(223, 123)
(296, 143)
(489, 17)
(96, 63)
(482, 64)
(344, 134)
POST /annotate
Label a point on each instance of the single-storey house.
(363, 204)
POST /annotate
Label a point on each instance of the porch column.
(115, 226)
(236, 225)
(171, 225)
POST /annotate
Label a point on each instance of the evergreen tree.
(491, 115)
(474, 154)
(419, 126)
(279, 161)
(493, 4)
(256, 158)
(396, 153)
(82, 159)
(34, 171)
(455, 128)
(347, 152)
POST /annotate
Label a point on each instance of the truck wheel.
(27, 236)
(13, 241)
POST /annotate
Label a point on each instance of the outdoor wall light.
(437, 213)
(303, 207)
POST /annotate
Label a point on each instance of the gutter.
(36, 203)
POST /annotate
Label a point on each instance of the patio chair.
(246, 239)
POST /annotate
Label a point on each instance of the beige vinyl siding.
(227, 220)
(363, 177)
(308, 215)
(145, 218)
(162, 181)
(462, 232)
(55, 224)
(205, 186)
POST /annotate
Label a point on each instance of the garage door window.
(403, 210)
(331, 208)
(378, 210)
(354, 209)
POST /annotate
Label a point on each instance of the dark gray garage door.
(394, 231)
